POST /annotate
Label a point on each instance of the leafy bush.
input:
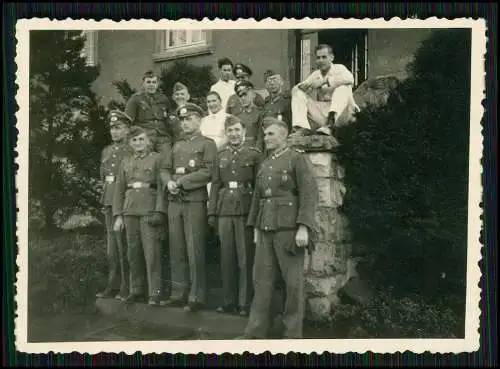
(389, 317)
(66, 271)
(407, 175)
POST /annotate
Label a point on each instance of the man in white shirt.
(212, 125)
(225, 85)
(324, 100)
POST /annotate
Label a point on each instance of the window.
(171, 44)
(89, 51)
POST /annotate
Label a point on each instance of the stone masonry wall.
(327, 269)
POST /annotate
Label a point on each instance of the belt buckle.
(233, 184)
(180, 170)
(110, 179)
(136, 185)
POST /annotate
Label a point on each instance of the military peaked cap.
(179, 87)
(231, 120)
(118, 117)
(241, 86)
(241, 68)
(149, 74)
(189, 108)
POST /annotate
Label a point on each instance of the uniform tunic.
(111, 158)
(252, 121)
(230, 198)
(285, 197)
(279, 105)
(190, 163)
(137, 198)
(150, 111)
(234, 106)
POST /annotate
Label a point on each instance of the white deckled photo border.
(471, 341)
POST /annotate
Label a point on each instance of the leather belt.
(234, 185)
(109, 179)
(138, 185)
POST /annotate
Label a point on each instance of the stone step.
(205, 322)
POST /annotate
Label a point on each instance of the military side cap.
(136, 131)
(189, 108)
(179, 87)
(241, 68)
(269, 121)
(231, 120)
(269, 73)
(241, 86)
(118, 117)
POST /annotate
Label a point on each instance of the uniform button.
(289, 204)
(230, 191)
(268, 200)
(112, 165)
(269, 178)
(114, 155)
(234, 161)
(266, 228)
(233, 171)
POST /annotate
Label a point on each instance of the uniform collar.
(141, 156)
(235, 149)
(278, 153)
(191, 136)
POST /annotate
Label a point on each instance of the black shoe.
(107, 293)
(226, 309)
(135, 297)
(193, 307)
(154, 301)
(174, 302)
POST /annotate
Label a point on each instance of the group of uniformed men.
(171, 173)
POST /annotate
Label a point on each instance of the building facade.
(127, 54)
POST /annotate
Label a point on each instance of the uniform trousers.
(237, 253)
(187, 223)
(312, 114)
(271, 261)
(118, 272)
(144, 254)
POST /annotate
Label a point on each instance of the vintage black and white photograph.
(231, 186)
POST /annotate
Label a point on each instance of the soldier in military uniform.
(185, 176)
(149, 110)
(230, 197)
(250, 114)
(282, 214)
(278, 103)
(180, 97)
(242, 73)
(138, 205)
(111, 158)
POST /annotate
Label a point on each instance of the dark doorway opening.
(350, 48)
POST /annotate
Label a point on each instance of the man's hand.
(172, 187)
(256, 235)
(302, 236)
(156, 219)
(118, 225)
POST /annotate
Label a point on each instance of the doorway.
(350, 47)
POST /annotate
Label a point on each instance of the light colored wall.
(128, 54)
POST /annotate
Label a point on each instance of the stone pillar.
(328, 268)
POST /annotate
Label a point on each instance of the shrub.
(67, 269)
(407, 175)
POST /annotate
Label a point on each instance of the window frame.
(90, 48)
(162, 52)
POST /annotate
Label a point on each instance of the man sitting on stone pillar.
(324, 100)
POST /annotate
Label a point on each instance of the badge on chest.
(192, 163)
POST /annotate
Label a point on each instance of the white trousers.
(312, 114)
